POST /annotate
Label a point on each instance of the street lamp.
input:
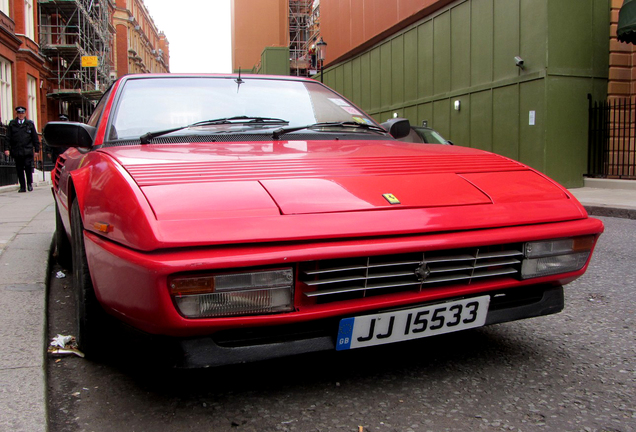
(322, 50)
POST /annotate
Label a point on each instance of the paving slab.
(22, 401)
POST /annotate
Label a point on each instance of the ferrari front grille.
(343, 279)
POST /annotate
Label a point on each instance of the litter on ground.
(64, 345)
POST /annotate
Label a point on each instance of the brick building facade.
(613, 122)
(139, 46)
(622, 61)
(22, 67)
(42, 44)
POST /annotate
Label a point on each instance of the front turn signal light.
(233, 294)
(550, 257)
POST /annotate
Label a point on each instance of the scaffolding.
(71, 30)
(303, 33)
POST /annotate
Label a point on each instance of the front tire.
(63, 247)
(89, 314)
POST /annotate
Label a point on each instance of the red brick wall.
(621, 85)
(351, 26)
(121, 42)
(622, 61)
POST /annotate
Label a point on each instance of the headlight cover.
(550, 257)
(232, 294)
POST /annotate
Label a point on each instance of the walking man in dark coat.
(22, 138)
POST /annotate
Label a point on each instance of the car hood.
(327, 187)
(215, 183)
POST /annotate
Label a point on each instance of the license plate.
(389, 327)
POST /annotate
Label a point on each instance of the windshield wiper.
(344, 124)
(145, 138)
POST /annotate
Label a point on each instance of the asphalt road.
(574, 371)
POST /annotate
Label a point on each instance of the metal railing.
(8, 174)
(612, 139)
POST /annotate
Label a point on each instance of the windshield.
(153, 104)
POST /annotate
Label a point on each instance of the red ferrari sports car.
(245, 218)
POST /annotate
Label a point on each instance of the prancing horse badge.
(391, 198)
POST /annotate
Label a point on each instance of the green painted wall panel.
(356, 81)
(425, 64)
(506, 39)
(481, 43)
(385, 75)
(340, 84)
(441, 117)
(599, 89)
(275, 61)
(410, 113)
(442, 54)
(425, 113)
(466, 52)
(347, 80)
(365, 81)
(329, 77)
(397, 70)
(532, 136)
(460, 121)
(376, 82)
(384, 116)
(460, 46)
(601, 19)
(481, 129)
(566, 138)
(505, 121)
(572, 57)
(410, 65)
(533, 35)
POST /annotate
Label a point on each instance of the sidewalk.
(603, 197)
(27, 223)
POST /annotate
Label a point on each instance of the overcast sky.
(199, 33)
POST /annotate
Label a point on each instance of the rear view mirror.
(69, 134)
(397, 127)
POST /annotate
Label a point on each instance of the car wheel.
(89, 314)
(62, 243)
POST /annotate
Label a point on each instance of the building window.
(6, 95)
(4, 7)
(28, 19)
(32, 98)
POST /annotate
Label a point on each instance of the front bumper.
(253, 344)
(137, 292)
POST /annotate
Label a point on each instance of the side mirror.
(397, 127)
(69, 134)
